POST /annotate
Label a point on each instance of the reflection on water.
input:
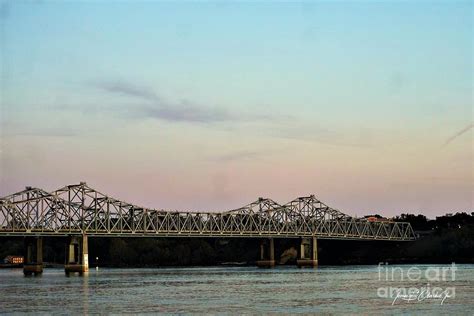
(349, 289)
(85, 296)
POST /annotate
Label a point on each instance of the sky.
(207, 106)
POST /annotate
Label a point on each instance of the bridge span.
(78, 211)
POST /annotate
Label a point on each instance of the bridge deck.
(79, 209)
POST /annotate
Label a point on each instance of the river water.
(234, 290)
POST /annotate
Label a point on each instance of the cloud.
(464, 130)
(127, 89)
(159, 108)
(318, 134)
(185, 112)
(151, 106)
(240, 155)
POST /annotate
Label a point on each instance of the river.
(235, 290)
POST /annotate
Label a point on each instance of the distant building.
(13, 259)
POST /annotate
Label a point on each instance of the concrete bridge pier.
(33, 256)
(267, 254)
(77, 255)
(308, 253)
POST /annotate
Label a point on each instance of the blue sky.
(207, 105)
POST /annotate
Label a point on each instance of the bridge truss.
(78, 209)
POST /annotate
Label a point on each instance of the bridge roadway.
(78, 211)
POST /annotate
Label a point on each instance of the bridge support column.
(77, 255)
(267, 258)
(33, 256)
(308, 253)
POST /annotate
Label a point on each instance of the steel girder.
(79, 209)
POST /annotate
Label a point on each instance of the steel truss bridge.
(79, 209)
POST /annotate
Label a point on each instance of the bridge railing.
(78, 209)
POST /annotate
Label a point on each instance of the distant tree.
(121, 253)
(10, 247)
(375, 215)
(418, 222)
(454, 221)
